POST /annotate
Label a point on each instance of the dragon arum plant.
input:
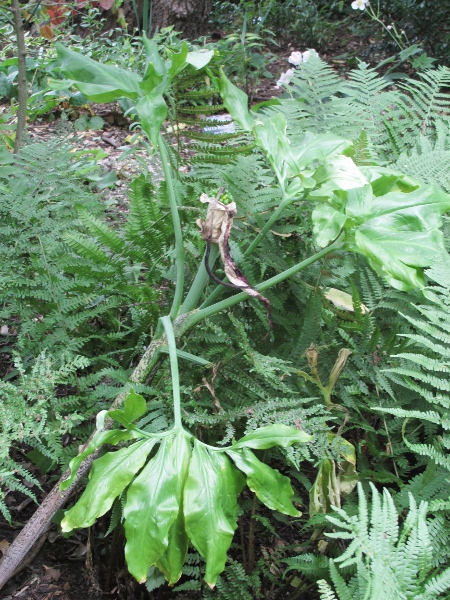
(185, 489)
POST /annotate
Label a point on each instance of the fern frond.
(326, 593)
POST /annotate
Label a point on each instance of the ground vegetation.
(224, 302)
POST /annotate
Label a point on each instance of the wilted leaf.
(216, 228)
(46, 32)
(325, 491)
(4, 545)
(51, 574)
(343, 300)
(334, 480)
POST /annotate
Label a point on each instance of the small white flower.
(389, 27)
(307, 55)
(359, 4)
(285, 78)
(295, 58)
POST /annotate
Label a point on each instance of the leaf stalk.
(167, 324)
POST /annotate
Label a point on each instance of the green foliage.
(422, 369)
(388, 234)
(236, 583)
(394, 120)
(34, 414)
(187, 491)
(319, 168)
(390, 561)
(304, 21)
(420, 21)
(69, 281)
(71, 286)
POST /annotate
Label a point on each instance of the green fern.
(390, 562)
(424, 369)
(394, 122)
(31, 413)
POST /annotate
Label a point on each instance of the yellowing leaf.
(343, 300)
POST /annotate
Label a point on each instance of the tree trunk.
(190, 17)
(22, 75)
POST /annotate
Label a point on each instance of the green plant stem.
(275, 215)
(208, 311)
(392, 32)
(179, 248)
(242, 534)
(167, 324)
(200, 281)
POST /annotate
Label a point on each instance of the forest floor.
(73, 568)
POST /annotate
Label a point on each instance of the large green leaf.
(270, 134)
(337, 172)
(200, 58)
(316, 146)
(328, 224)
(152, 111)
(272, 435)
(109, 476)
(272, 488)
(98, 82)
(171, 563)
(177, 61)
(100, 437)
(210, 507)
(236, 102)
(155, 68)
(154, 501)
(398, 231)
